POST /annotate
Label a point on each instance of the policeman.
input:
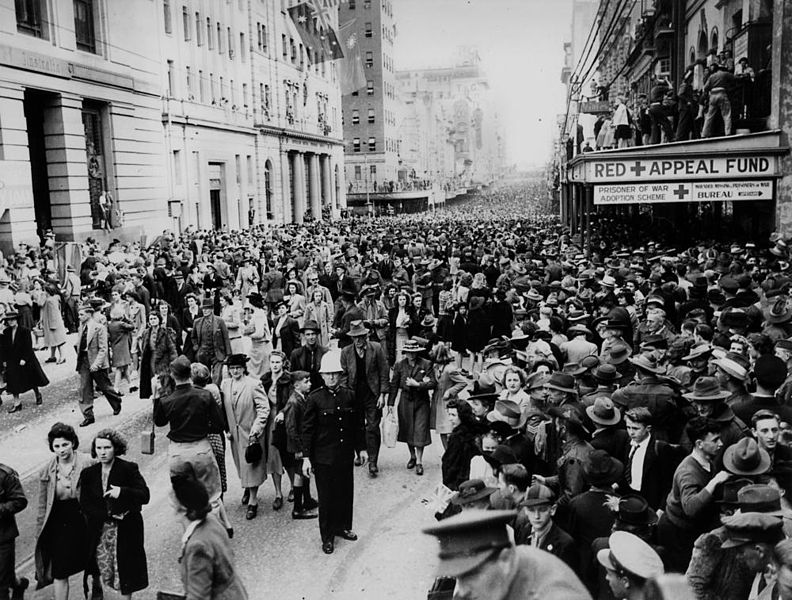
(12, 501)
(476, 550)
(333, 430)
(629, 562)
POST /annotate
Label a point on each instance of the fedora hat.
(372, 288)
(577, 315)
(647, 362)
(635, 511)
(603, 412)
(412, 346)
(734, 365)
(356, 328)
(606, 373)
(760, 498)
(578, 330)
(311, 326)
(779, 312)
(615, 324)
(707, 389)
(208, 303)
(698, 351)
(618, 353)
(563, 382)
(745, 457)
(428, 320)
(601, 469)
(471, 491)
(506, 411)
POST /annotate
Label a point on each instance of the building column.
(299, 188)
(281, 202)
(314, 183)
(781, 103)
(17, 215)
(67, 167)
(327, 188)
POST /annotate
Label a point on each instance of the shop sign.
(33, 61)
(722, 167)
(664, 193)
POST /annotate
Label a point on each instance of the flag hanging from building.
(321, 42)
(353, 77)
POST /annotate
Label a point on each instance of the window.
(242, 47)
(232, 91)
(209, 36)
(268, 189)
(166, 13)
(198, 28)
(358, 173)
(212, 88)
(188, 82)
(371, 114)
(356, 145)
(351, 4)
(238, 164)
(249, 161)
(293, 48)
(171, 82)
(370, 88)
(366, 4)
(177, 167)
(264, 39)
(29, 17)
(369, 31)
(285, 46)
(219, 38)
(245, 95)
(355, 117)
(230, 43)
(369, 59)
(372, 144)
(221, 85)
(186, 24)
(84, 25)
(201, 86)
(373, 171)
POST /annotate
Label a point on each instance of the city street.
(274, 553)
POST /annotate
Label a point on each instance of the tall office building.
(370, 113)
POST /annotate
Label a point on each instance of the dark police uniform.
(332, 431)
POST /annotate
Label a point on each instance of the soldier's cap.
(752, 528)
(629, 554)
(467, 540)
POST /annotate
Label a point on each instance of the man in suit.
(376, 317)
(534, 525)
(308, 357)
(607, 434)
(347, 313)
(286, 333)
(93, 363)
(210, 340)
(183, 289)
(650, 462)
(366, 374)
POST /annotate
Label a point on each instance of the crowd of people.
(624, 407)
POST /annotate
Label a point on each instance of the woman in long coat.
(157, 351)
(277, 386)
(449, 383)
(414, 377)
(52, 324)
(247, 410)
(191, 312)
(318, 310)
(18, 360)
(119, 338)
(256, 327)
(112, 495)
(61, 535)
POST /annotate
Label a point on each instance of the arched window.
(714, 39)
(701, 51)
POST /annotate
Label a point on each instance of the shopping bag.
(147, 440)
(390, 429)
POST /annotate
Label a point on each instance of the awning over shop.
(721, 169)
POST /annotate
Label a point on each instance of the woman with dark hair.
(136, 314)
(445, 311)
(277, 386)
(449, 383)
(190, 313)
(399, 318)
(295, 300)
(112, 495)
(157, 350)
(462, 444)
(202, 378)
(207, 569)
(231, 314)
(52, 324)
(478, 332)
(62, 546)
(171, 323)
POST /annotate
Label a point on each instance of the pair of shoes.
(328, 547)
(304, 514)
(419, 469)
(358, 461)
(310, 504)
(245, 496)
(51, 359)
(39, 398)
(411, 463)
(373, 470)
(277, 504)
(15, 408)
(230, 532)
(252, 511)
(290, 497)
(88, 421)
(348, 534)
(18, 590)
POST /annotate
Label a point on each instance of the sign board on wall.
(704, 191)
(687, 169)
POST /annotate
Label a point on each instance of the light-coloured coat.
(247, 410)
(97, 345)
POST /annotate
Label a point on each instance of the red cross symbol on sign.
(637, 168)
(681, 192)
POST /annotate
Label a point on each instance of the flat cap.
(752, 528)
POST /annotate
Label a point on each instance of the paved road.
(275, 554)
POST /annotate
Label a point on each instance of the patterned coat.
(415, 402)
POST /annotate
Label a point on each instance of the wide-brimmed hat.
(761, 498)
(647, 362)
(698, 351)
(428, 320)
(606, 373)
(734, 364)
(563, 382)
(11, 314)
(603, 412)
(311, 325)
(412, 346)
(779, 312)
(615, 324)
(707, 389)
(356, 328)
(471, 491)
(635, 511)
(372, 288)
(601, 469)
(578, 330)
(618, 353)
(506, 411)
(745, 457)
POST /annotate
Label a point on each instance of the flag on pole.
(322, 44)
(353, 77)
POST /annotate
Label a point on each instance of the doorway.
(217, 194)
(214, 200)
(35, 107)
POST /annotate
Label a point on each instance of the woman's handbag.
(253, 453)
(147, 439)
(390, 428)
